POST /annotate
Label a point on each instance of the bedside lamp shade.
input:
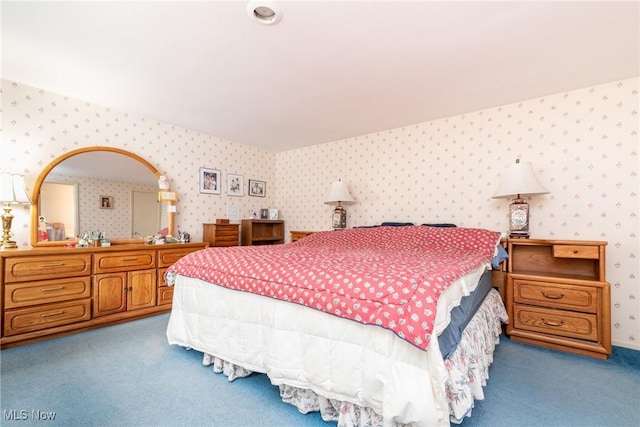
(339, 194)
(12, 191)
(519, 180)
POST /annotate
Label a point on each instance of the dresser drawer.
(168, 257)
(23, 269)
(124, 261)
(558, 295)
(36, 318)
(576, 251)
(27, 294)
(556, 322)
(165, 295)
(228, 230)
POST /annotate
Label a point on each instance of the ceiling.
(327, 71)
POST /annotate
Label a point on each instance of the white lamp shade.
(519, 179)
(339, 193)
(13, 190)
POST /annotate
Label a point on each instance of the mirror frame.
(35, 193)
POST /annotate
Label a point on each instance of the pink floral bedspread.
(386, 276)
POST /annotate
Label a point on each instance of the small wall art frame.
(210, 181)
(235, 185)
(257, 188)
(106, 202)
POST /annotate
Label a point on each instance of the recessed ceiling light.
(264, 11)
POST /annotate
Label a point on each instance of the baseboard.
(626, 344)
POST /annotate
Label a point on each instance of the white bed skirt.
(357, 374)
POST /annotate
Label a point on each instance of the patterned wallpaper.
(583, 145)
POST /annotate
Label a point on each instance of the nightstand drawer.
(556, 295)
(556, 322)
(576, 251)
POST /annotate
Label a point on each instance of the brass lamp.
(339, 194)
(519, 180)
(12, 191)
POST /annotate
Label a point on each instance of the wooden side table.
(558, 297)
(221, 234)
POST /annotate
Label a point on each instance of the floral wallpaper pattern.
(583, 145)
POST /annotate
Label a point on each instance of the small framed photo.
(264, 213)
(273, 213)
(209, 181)
(257, 188)
(106, 202)
(235, 184)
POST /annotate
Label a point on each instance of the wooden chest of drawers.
(221, 234)
(557, 296)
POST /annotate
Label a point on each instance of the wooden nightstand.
(558, 297)
(297, 235)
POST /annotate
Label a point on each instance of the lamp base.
(519, 219)
(9, 245)
(7, 218)
(339, 218)
(518, 235)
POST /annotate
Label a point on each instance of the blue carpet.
(127, 375)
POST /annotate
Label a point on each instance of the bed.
(350, 323)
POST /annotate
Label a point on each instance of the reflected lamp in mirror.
(519, 180)
(167, 196)
(12, 191)
(339, 194)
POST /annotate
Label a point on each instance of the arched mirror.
(98, 189)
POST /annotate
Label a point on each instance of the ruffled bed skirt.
(467, 368)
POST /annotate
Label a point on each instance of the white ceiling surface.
(326, 72)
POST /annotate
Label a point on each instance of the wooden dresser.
(221, 234)
(558, 297)
(49, 292)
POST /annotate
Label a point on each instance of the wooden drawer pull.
(58, 288)
(53, 264)
(548, 296)
(57, 313)
(128, 259)
(548, 323)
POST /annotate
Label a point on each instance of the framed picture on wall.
(106, 202)
(257, 188)
(209, 181)
(235, 184)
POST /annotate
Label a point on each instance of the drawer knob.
(551, 323)
(549, 296)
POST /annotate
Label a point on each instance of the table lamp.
(339, 193)
(12, 191)
(519, 180)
